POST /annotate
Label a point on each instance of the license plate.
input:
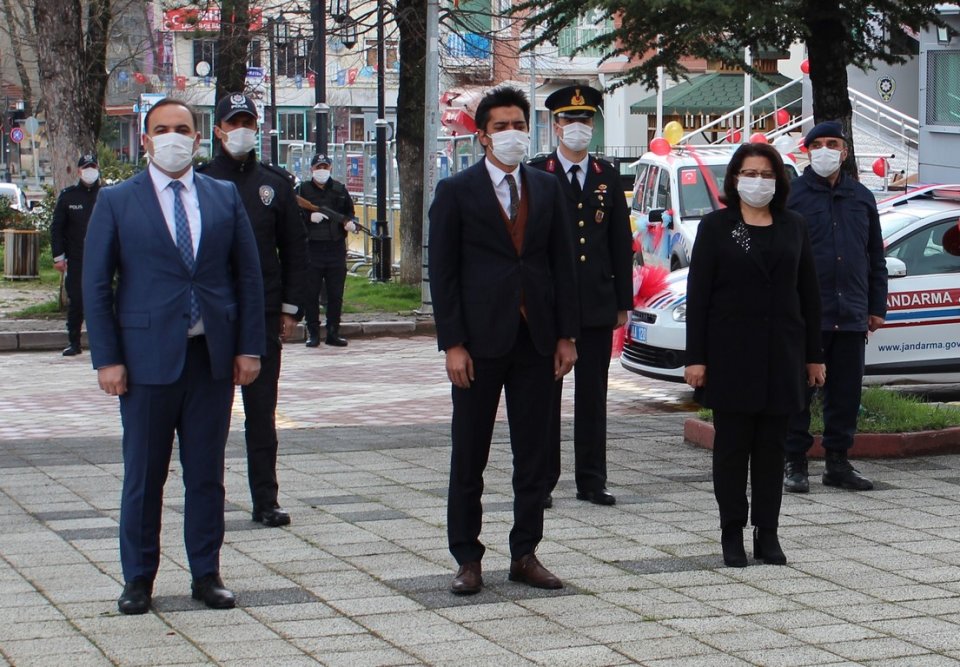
(638, 332)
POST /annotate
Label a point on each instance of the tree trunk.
(826, 50)
(20, 32)
(232, 47)
(411, 16)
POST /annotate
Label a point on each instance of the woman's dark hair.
(167, 101)
(502, 96)
(730, 194)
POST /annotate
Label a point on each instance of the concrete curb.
(865, 445)
(33, 341)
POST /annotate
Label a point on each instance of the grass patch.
(884, 411)
(363, 296)
(48, 310)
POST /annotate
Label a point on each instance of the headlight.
(680, 313)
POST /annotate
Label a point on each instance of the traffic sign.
(16, 135)
(31, 125)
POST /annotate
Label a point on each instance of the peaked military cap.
(575, 102)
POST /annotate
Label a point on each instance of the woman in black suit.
(753, 341)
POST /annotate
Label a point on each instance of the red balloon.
(733, 136)
(805, 67)
(758, 138)
(783, 116)
(660, 146)
(880, 167)
(139, 77)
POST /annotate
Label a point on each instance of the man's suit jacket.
(477, 277)
(143, 322)
(753, 324)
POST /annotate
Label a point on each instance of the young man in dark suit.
(505, 304)
(603, 252)
(174, 301)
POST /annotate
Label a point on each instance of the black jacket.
(333, 197)
(70, 218)
(754, 327)
(268, 197)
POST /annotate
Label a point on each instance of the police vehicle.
(920, 342)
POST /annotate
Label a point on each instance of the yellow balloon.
(673, 132)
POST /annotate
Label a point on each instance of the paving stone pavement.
(360, 577)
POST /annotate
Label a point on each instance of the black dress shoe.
(336, 341)
(766, 546)
(599, 497)
(135, 598)
(731, 541)
(271, 517)
(313, 341)
(72, 351)
(795, 474)
(468, 580)
(838, 471)
(211, 591)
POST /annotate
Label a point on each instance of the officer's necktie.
(514, 197)
(575, 181)
(184, 244)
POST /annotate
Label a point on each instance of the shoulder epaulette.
(280, 171)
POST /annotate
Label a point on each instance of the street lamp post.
(381, 244)
(318, 12)
(274, 27)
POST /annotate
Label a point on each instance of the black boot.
(73, 349)
(795, 476)
(313, 335)
(333, 337)
(731, 541)
(839, 472)
(766, 546)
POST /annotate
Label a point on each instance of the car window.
(663, 190)
(923, 251)
(640, 190)
(650, 188)
(695, 199)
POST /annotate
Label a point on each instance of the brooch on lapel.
(266, 194)
(741, 235)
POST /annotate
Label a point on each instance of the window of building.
(943, 87)
(356, 129)
(292, 126)
(205, 50)
(253, 53)
(389, 55)
(293, 58)
(587, 27)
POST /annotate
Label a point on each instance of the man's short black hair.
(167, 101)
(501, 96)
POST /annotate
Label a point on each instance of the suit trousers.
(526, 378)
(72, 283)
(197, 408)
(589, 411)
(753, 441)
(843, 353)
(260, 423)
(328, 270)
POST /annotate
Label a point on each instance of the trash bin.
(21, 254)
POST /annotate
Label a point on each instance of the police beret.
(86, 160)
(574, 102)
(320, 159)
(232, 104)
(828, 128)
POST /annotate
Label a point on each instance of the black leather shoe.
(211, 591)
(599, 497)
(766, 546)
(838, 471)
(548, 501)
(336, 341)
(731, 541)
(313, 341)
(271, 517)
(468, 580)
(72, 351)
(135, 598)
(795, 476)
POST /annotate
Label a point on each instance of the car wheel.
(676, 263)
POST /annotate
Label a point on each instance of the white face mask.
(825, 161)
(172, 152)
(510, 146)
(89, 175)
(321, 176)
(240, 141)
(577, 136)
(756, 192)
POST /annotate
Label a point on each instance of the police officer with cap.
(67, 232)
(268, 197)
(603, 250)
(328, 218)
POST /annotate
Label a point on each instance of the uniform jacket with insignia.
(70, 218)
(333, 196)
(268, 197)
(602, 243)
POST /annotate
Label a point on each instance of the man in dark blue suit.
(503, 284)
(183, 324)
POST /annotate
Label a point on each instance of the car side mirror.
(896, 268)
(655, 215)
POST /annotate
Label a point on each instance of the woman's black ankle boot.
(731, 540)
(766, 546)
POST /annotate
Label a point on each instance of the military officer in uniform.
(268, 197)
(67, 231)
(603, 251)
(327, 221)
